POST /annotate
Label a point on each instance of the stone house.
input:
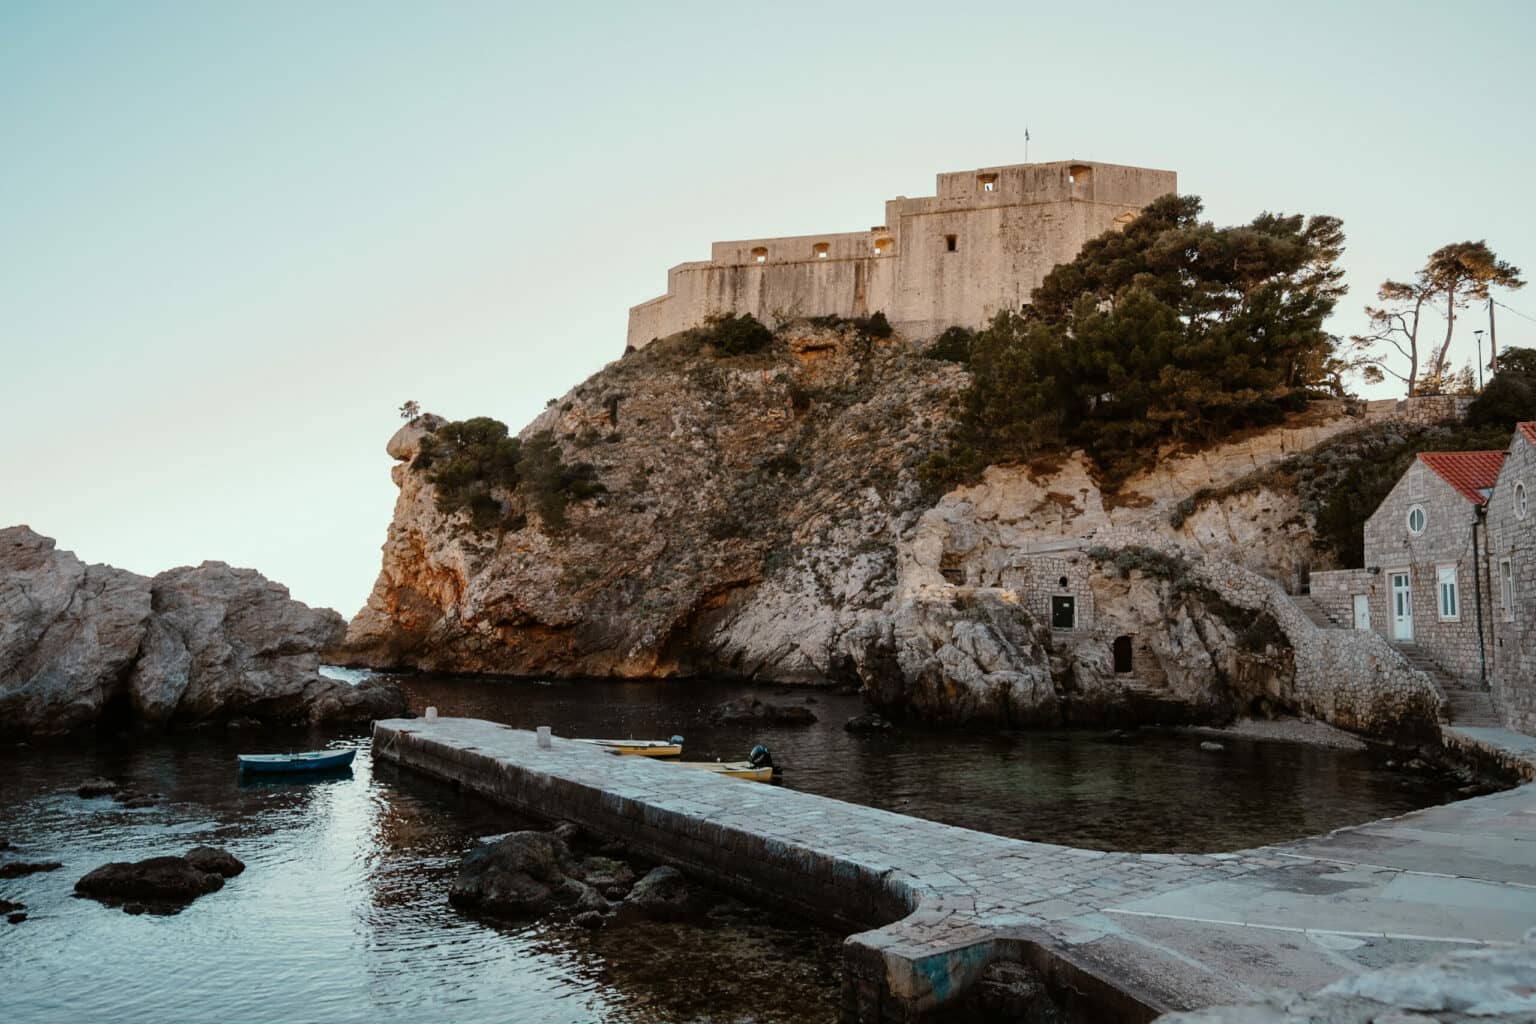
(1511, 531)
(1425, 582)
(981, 244)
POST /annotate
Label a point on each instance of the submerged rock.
(214, 860)
(166, 881)
(662, 895)
(6, 906)
(16, 917)
(870, 721)
(751, 709)
(97, 787)
(19, 868)
(523, 874)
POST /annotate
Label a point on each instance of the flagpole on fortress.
(1026, 143)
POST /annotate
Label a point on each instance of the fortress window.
(882, 246)
(1079, 174)
(760, 254)
(951, 243)
(987, 182)
(821, 250)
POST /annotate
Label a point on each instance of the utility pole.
(1479, 333)
(1493, 340)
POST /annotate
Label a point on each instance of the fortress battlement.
(982, 243)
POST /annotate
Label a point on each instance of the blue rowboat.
(313, 761)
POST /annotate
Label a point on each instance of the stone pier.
(1117, 936)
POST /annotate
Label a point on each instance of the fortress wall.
(1006, 239)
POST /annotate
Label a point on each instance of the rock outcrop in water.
(79, 643)
(763, 516)
(161, 884)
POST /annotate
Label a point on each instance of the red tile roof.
(1469, 472)
(1528, 428)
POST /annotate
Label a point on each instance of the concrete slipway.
(1121, 936)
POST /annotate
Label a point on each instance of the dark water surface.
(1156, 791)
(341, 914)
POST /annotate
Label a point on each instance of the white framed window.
(1417, 520)
(1507, 588)
(1522, 502)
(1450, 598)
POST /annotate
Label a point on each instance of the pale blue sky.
(234, 237)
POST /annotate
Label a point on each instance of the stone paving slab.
(1165, 931)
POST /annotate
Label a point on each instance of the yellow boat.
(641, 748)
(735, 769)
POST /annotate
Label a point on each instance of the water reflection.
(1151, 792)
(341, 914)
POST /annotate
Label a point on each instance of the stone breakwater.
(1118, 935)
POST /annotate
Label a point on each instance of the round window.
(1522, 502)
(1416, 520)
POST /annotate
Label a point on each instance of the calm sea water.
(341, 914)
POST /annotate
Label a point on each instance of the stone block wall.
(1512, 538)
(1039, 578)
(1445, 542)
(1335, 592)
(981, 245)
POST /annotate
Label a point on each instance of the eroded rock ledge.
(82, 643)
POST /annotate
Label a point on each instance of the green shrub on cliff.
(1170, 331)
(467, 461)
(736, 335)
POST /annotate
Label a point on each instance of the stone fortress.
(982, 244)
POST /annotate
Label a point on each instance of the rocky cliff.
(80, 644)
(764, 516)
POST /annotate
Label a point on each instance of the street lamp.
(1479, 334)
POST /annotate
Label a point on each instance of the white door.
(1402, 607)
(1362, 611)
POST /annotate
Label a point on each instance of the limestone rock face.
(763, 517)
(958, 658)
(69, 633)
(752, 514)
(192, 644)
(224, 638)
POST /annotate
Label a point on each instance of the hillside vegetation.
(1170, 331)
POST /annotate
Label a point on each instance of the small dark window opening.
(952, 243)
(1063, 612)
(1062, 583)
(1122, 654)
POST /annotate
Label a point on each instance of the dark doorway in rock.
(1122, 654)
(1063, 612)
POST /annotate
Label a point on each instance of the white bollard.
(542, 739)
(431, 714)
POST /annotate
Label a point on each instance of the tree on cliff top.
(466, 460)
(1172, 330)
(1452, 276)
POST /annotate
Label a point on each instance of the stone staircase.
(1314, 611)
(1466, 703)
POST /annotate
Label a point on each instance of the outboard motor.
(761, 758)
(676, 741)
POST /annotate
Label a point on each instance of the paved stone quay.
(1118, 936)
